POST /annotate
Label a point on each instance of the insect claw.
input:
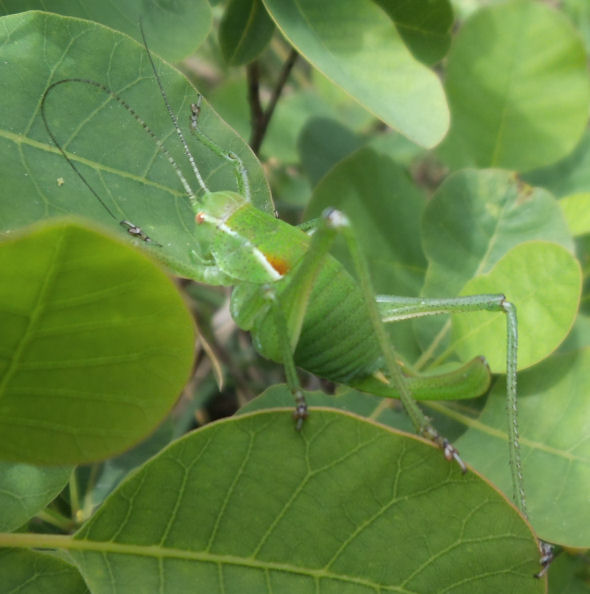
(300, 414)
(138, 232)
(548, 555)
(450, 452)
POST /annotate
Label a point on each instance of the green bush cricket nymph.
(302, 308)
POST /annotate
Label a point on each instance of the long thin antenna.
(173, 116)
(135, 115)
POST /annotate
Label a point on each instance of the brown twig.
(261, 118)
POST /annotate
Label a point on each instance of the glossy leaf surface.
(173, 30)
(518, 88)
(353, 506)
(96, 346)
(29, 572)
(424, 26)
(25, 489)
(244, 31)
(374, 66)
(114, 153)
(555, 442)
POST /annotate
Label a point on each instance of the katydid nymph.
(301, 306)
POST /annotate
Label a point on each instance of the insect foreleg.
(240, 171)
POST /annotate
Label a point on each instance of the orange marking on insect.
(200, 217)
(280, 265)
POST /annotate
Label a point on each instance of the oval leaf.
(576, 210)
(425, 26)
(475, 218)
(119, 160)
(518, 88)
(244, 31)
(569, 175)
(174, 30)
(29, 572)
(379, 71)
(25, 489)
(96, 346)
(544, 281)
(250, 505)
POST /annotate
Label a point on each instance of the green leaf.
(96, 346)
(576, 210)
(544, 281)
(385, 207)
(24, 490)
(114, 470)
(568, 176)
(425, 26)
(250, 505)
(114, 153)
(28, 572)
(553, 414)
(373, 64)
(173, 30)
(245, 31)
(475, 218)
(518, 88)
(570, 574)
(324, 142)
(579, 12)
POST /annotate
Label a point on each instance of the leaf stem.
(260, 117)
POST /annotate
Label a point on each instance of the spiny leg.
(340, 223)
(403, 308)
(301, 412)
(301, 282)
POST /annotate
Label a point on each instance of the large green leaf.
(544, 281)
(570, 175)
(244, 31)
(29, 572)
(425, 26)
(249, 505)
(174, 30)
(579, 12)
(96, 345)
(354, 44)
(119, 160)
(518, 88)
(25, 489)
(570, 574)
(474, 220)
(576, 210)
(384, 207)
(554, 413)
